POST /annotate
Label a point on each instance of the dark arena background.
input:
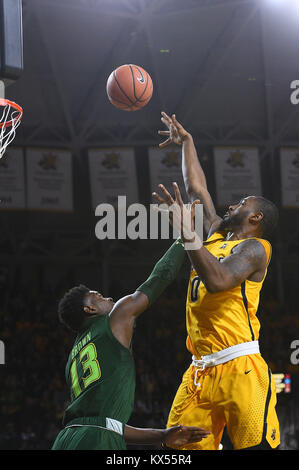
(229, 70)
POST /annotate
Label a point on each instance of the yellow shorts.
(239, 394)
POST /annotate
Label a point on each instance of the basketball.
(129, 87)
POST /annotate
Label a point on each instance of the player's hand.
(178, 436)
(175, 208)
(181, 217)
(175, 134)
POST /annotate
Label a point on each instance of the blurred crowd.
(33, 390)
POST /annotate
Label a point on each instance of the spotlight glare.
(288, 4)
(275, 2)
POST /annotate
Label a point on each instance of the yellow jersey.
(223, 319)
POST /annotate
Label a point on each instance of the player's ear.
(256, 218)
(89, 309)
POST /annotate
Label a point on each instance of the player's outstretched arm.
(175, 436)
(193, 174)
(127, 309)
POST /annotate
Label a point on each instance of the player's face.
(100, 305)
(238, 213)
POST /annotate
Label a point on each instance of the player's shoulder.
(252, 248)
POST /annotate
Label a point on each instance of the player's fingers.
(165, 143)
(159, 199)
(202, 433)
(166, 117)
(167, 195)
(178, 194)
(195, 431)
(197, 201)
(176, 123)
(193, 428)
(198, 435)
(195, 439)
(164, 132)
(165, 121)
(193, 207)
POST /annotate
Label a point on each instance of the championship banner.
(12, 179)
(112, 173)
(289, 170)
(166, 168)
(49, 179)
(237, 171)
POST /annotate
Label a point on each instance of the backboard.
(11, 41)
(11, 67)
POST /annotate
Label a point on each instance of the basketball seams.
(133, 80)
(121, 89)
(147, 80)
(138, 99)
(125, 105)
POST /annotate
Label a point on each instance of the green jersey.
(100, 373)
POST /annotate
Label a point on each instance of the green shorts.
(81, 435)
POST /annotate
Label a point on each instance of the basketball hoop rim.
(17, 107)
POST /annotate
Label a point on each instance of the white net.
(10, 119)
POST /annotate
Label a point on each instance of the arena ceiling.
(224, 67)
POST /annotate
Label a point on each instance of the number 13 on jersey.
(90, 367)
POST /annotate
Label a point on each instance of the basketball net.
(10, 118)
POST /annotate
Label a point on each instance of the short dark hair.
(270, 215)
(71, 307)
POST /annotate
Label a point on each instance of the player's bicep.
(123, 315)
(246, 259)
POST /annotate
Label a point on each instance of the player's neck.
(241, 234)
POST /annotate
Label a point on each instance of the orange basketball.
(129, 87)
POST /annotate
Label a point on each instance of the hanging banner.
(12, 179)
(166, 168)
(289, 170)
(49, 179)
(237, 171)
(112, 173)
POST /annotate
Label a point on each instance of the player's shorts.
(88, 437)
(239, 394)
